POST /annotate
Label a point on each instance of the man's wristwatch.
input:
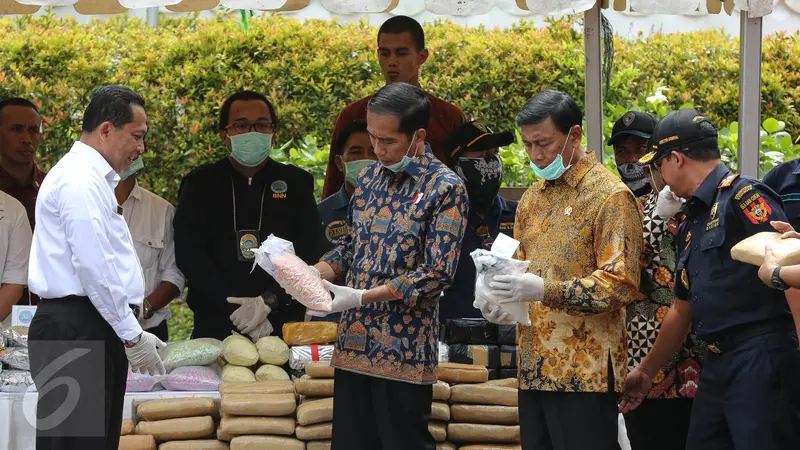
(147, 309)
(133, 342)
(777, 283)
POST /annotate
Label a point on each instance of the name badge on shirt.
(119, 210)
(247, 241)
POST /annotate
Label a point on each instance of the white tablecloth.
(18, 433)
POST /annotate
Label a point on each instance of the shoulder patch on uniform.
(756, 209)
(740, 193)
(727, 181)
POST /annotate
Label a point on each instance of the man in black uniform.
(228, 208)
(473, 154)
(748, 395)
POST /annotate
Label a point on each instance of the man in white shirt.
(84, 268)
(15, 245)
(149, 219)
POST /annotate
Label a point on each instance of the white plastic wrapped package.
(301, 354)
(15, 380)
(444, 352)
(487, 265)
(140, 382)
(276, 256)
(14, 337)
(194, 352)
(272, 350)
(192, 378)
(16, 358)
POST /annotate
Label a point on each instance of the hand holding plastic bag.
(487, 265)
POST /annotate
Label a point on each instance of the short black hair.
(404, 24)
(18, 101)
(556, 105)
(225, 110)
(356, 126)
(410, 104)
(110, 104)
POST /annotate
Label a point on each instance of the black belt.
(83, 298)
(728, 340)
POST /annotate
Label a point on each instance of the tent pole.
(152, 17)
(749, 95)
(592, 25)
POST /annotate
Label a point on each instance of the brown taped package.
(486, 414)
(319, 445)
(308, 333)
(127, 427)
(441, 391)
(137, 443)
(446, 446)
(178, 429)
(266, 442)
(314, 388)
(176, 408)
(319, 369)
(484, 394)
(491, 447)
(751, 250)
(315, 432)
(317, 411)
(269, 405)
(438, 431)
(462, 373)
(440, 411)
(505, 382)
(256, 387)
(477, 433)
(194, 445)
(242, 426)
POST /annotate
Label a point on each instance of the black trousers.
(659, 424)
(376, 414)
(161, 331)
(97, 366)
(569, 420)
(748, 397)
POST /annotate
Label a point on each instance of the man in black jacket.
(227, 209)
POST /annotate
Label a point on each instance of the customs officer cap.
(677, 132)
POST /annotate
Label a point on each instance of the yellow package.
(308, 333)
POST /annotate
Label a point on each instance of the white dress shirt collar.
(97, 161)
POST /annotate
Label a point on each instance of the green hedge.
(311, 70)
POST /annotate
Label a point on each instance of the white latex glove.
(668, 204)
(495, 315)
(250, 314)
(143, 357)
(344, 298)
(263, 329)
(517, 288)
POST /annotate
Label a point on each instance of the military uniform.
(747, 396)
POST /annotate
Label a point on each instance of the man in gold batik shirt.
(581, 229)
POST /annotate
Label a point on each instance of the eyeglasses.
(246, 127)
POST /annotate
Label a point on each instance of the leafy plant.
(776, 143)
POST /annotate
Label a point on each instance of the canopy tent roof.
(756, 8)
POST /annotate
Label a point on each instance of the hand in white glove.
(517, 288)
(263, 329)
(668, 204)
(143, 356)
(344, 298)
(495, 315)
(250, 314)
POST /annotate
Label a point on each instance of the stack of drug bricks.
(483, 414)
(482, 343)
(175, 424)
(315, 413)
(259, 415)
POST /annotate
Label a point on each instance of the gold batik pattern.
(583, 235)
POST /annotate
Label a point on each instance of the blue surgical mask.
(136, 165)
(555, 169)
(353, 168)
(405, 162)
(251, 149)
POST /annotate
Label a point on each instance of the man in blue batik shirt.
(407, 219)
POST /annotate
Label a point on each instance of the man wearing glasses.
(226, 209)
